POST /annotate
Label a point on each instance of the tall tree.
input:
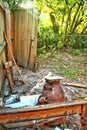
(68, 16)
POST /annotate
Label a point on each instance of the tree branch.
(84, 29)
(68, 18)
(76, 13)
(77, 23)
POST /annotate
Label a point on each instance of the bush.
(77, 41)
(47, 38)
(74, 51)
(50, 40)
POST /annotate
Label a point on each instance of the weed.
(74, 51)
(85, 50)
(44, 56)
(55, 61)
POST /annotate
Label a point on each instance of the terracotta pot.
(53, 91)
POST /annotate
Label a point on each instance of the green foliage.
(70, 73)
(47, 38)
(70, 18)
(44, 55)
(56, 60)
(63, 126)
(67, 18)
(85, 50)
(74, 51)
(76, 41)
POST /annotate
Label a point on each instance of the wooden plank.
(16, 13)
(33, 53)
(13, 31)
(25, 27)
(26, 38)
(20, 56)
(75, 85)
(2, 60)
(2, 46)
(8, 30)
(25, 60)
(29, 35)
(2, 24)
(31, 123)
(22, 33)
(30, 29)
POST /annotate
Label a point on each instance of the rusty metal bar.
(7, 67)
(42, 111)
(33, 115)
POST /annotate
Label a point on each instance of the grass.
(66, 64)
(70, 73)
(44, 56)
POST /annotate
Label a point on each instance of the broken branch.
(40, 83)
(14, 59)
(75, 85)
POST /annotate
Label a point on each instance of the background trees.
(69, 22)
(62, 23)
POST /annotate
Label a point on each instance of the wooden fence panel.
(33, 50)
(26, 37)
(2, 46)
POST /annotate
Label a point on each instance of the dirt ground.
(72, 67)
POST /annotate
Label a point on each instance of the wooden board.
(33, 50)
(2, 46)
(26, 37)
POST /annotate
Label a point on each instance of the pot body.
(53, 91)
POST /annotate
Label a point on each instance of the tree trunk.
(74, 18)
(68, 18)
(84, 29)
(55, 26)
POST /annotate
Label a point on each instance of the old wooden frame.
(11, 117)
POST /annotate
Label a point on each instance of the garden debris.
(57, 128)
(13, 98)
(40, 83)
(21, 101)
(40, 115)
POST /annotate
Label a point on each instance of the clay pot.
(53, 91)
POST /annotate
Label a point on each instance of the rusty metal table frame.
(10, 116)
